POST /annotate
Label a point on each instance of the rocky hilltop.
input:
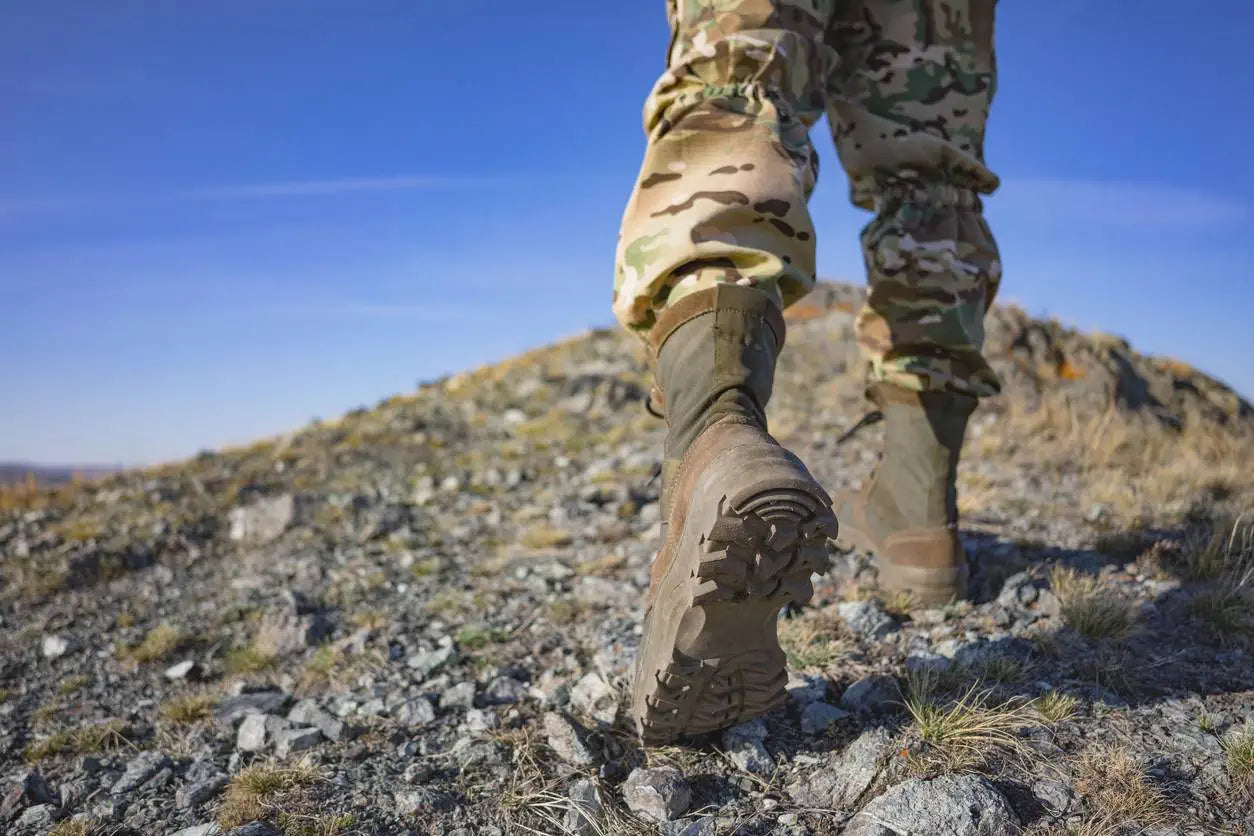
(418, 618)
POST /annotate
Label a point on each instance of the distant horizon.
(103, 468)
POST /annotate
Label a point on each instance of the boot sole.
(710, 656)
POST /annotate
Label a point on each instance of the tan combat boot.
(907, 513)
(744, 522)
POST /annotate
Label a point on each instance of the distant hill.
(12, 472)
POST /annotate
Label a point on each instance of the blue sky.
(221, 219)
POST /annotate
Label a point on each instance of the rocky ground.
(418, 619)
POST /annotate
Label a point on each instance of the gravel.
(432, 606)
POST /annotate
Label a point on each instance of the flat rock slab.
(950, 805)
(840, 781)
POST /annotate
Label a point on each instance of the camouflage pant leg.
(908, 105)
(729, 167)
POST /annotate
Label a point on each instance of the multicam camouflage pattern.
(729, 169)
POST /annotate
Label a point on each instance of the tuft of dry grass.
(964, 733)
(158, 644)
(1228, 609)
(1088, 609)
(73, 827)
(251, 659)
(1225, 548)
(189, 708)
(1238, 745)
(266, 788)
(1055, 707)
(1117, 790)
(91, 737)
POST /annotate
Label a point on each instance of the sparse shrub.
(259, 789)
(1238, 745)
(1118, 792)
(1087, 608)
(1225, 547)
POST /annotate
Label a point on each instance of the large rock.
(38, 818)
(871, 693)
(426, 662)
(262, 521)
(287, 741)
(416, 712)
(259, 732)
(841, 780)
(567, 740)
(233, 709)
(660, 793)
(866, 618)
(951, 805)
(307, 712)
(27, 789)
(140, 770)
(594, 697)
(745, 745)
(819, 716)
(194, 794)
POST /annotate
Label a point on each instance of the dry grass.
(965, 733)
(1223, 556)
(544, 536)
(249, 660)
(533, 803)
(73, 684)
(73, 827)
(158, 644)
(265, 789)
(1056, 708)
(1117, 790)
(186, 709)
(335, 667)
(1238, 746)
(811, 641)
(1133, 464)
(320, 824)
(1087, 608)
(81, 740)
